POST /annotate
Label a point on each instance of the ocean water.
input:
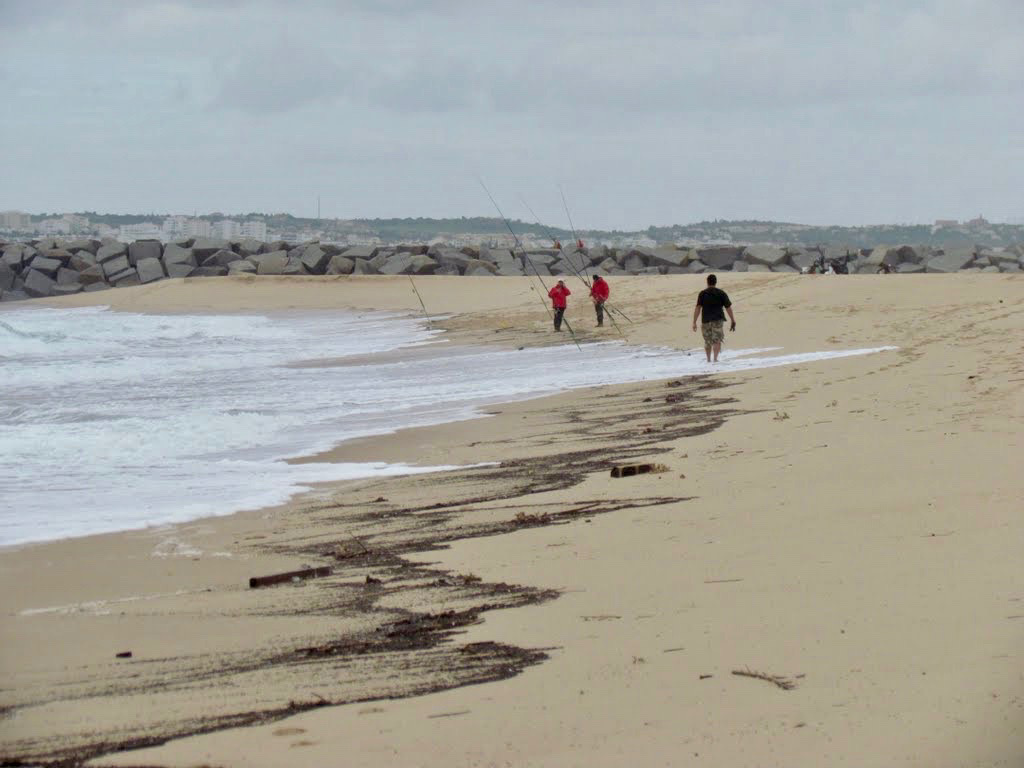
(113, 421)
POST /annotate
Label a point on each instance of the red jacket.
(599, 290)
(558, 295)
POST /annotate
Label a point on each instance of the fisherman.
(558, 245)
(599, 292)
(710, 303)
(579, 244)
(883, 269)
(558, 295)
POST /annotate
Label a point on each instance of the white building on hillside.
(147, 230)
(256, 229)
(15, 220)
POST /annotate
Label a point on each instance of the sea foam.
(111, 421)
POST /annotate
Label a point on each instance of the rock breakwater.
(55, 267)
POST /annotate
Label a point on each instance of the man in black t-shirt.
(710, 303)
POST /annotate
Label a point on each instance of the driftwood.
(290, 576)
(782, 682)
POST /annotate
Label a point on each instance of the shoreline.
(823, 499)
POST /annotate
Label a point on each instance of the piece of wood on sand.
(290, 576)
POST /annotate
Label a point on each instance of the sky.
(643, 113)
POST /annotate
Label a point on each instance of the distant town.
(486, 231)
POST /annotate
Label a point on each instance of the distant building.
(227, 229)
(981, 221)
(946, 223)
(54, 227)
(256, 229)
(147, 230)
(15, 220)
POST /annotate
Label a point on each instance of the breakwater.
(56, 267)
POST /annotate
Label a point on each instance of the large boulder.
(801, 260)
(912, 254)
(475, 265)
(953, 260)
(220, 258)
(66, 290)
(45, 265)
(203, 247)
(314, 259)
(247, 246)
(340, 265)
(82, 260)
(126, 274)
(14, 256)
(363, 267)
(669, 257)
(144, 249)
(413, 249)
(178, 269)
(109, 251)
(545, 258)
(784, 268)
(113, 266)
(697, 267)
(720, 256)
(480, 269)
(422, 264)
(176, 254)
(450, 258)
(241, 267)
(1002, 258)
(294, 267)
(740, 266)
(93, 287)
(758, 268)
(82, 244)
(208, 272)
(366, 252)
(765, 255)
(13, 296)
(507, 268)
(67, 276)
(149, 269)
(397, 264)
(58, 254)
(498, 255)
(38, 285)
(48, 244)
(6, 277)
(270, 263)
(909, 268)
(634, 263)
(90, 275)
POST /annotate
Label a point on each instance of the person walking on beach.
(558, 296)
(599, 292)
(710, 303)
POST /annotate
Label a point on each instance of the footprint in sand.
(289, 731)
(303, 743)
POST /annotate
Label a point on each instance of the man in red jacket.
(599, 292)
(558, 296)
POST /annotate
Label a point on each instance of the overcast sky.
(647, 112)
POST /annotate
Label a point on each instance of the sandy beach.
(822, 569)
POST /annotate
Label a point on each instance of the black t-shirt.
(712, 301)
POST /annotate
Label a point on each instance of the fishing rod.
(611, 309)
(526, 258)
(582, 276)
(425, 315)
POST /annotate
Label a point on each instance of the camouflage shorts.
(713, 332)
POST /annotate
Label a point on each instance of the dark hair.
(712, 280)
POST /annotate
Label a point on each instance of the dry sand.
(851, 527)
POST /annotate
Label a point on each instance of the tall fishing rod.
(425, 315)
(581, 275)
(568, 215)
(527, 258)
